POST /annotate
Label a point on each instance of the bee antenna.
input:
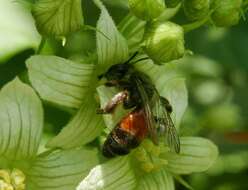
(132, 57)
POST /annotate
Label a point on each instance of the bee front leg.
(111, 105)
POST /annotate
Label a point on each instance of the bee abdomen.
(119, 142)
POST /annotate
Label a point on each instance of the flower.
(150, 167)
(227, 13)
(148, 9)
(21, 168)
(196, 9)
(75, 85)
(164, 42)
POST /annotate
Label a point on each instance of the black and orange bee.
(150, 116)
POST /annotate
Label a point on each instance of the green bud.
(164, 42)
(227, 12)
(58, 17)
(196, 9)
(172, 3)
(147, 9)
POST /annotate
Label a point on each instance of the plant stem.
(42, 43)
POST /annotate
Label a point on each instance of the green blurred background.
(216, 75)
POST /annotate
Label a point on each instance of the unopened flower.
(196, 9)
(147, 9)
(226, 13)
(164, 42)
(58, 17)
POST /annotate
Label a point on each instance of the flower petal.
(85, 126)
(60, 170)
(112, 47)
(58, 17)
(197, 155)
(21, 117)
(17, 31)
(59, 80)
(115, 174)
(158, 180)
(133, 30)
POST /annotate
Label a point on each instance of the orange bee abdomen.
(135, 124)
(127, 135)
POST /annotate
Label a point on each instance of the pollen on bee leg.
(12, 180)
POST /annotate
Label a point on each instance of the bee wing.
(166, 124)
(151, 124)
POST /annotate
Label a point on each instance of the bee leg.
(111, 105)
(166, 104)
(161, 128)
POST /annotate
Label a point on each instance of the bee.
(139, 93)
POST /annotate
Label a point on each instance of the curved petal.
(158, 180)
(60, 81)
(61, 170)
(197, 155)
(133, 29)
(112, 47)
(115, 174)
(21, 117)
(84, 127)
(18, 31)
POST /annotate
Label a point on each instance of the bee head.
(116, 72)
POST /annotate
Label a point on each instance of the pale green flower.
(73, 85)
(21, 117)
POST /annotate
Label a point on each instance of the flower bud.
(227, 13)
(164, 42)
(147, 9)
(172, 3)
(196, 9)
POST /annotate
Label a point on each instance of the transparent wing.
(151, 123)
(165, 123)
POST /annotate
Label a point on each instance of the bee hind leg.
(165, 102)
(111, 105)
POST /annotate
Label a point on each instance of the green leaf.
(115, 174)
(58, 17)
(60, 81)
(197, 155)
(84, 127)
(113, 48)
(21, 117)
(158, 180)
(60, 170)
(133, 30)
(17, 29)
